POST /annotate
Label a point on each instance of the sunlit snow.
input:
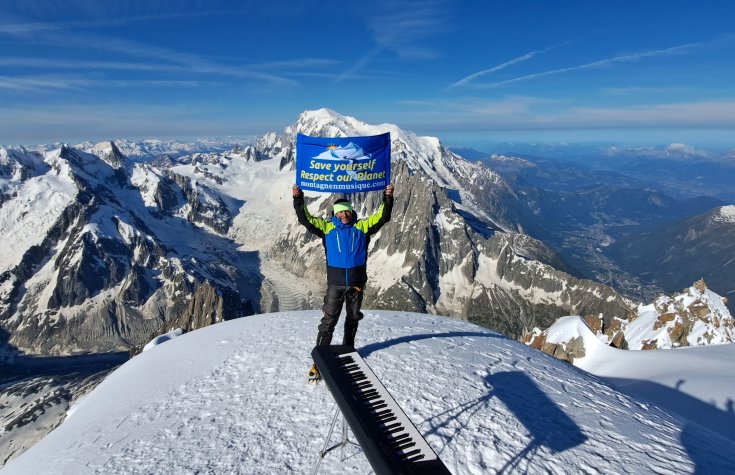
(233, 398)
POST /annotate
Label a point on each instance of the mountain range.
(594, 206)
(102, 251)
(108, 251)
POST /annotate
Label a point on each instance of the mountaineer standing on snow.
(345, 240)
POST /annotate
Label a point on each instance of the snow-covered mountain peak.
(674, 151)
(418, 152)
(17, 164)
(326, 123)
(87, 164)
(110, 153)
(680, 148)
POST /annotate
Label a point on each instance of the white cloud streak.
(520, 59)
(80, 84)
(627, 58)
(146, 57)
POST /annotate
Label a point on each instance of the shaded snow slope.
(233, 398)
(696, 382)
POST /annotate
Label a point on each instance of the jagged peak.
(696, 316)
(110, 153)
(423, 152)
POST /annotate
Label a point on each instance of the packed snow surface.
(233, 398)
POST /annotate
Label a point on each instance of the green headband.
(344, 206)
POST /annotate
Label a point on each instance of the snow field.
(233, 398)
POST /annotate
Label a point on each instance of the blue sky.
(471, 73)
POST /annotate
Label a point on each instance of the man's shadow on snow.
(546, 423)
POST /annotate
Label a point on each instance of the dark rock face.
(669, 253)
(87, 267)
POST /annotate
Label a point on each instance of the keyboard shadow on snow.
(544, 421)
(381, 345)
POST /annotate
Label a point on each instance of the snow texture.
(233, 398)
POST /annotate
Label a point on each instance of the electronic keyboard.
(391, 442)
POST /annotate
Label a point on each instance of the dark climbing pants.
(335, 297)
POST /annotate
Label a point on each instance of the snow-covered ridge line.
(148, 149)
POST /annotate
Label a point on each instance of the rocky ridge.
(669, 253)
(696, 316)
(125, 250)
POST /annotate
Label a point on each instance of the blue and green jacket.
(345, 245)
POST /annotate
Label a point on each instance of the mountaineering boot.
(314, 376)
(350, 332)
(323, 338)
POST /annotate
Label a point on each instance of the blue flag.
(343, 164)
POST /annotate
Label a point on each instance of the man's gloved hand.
(297, 192)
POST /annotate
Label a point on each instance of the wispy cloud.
(146, 57)
(626, 58)
(642, 90)
(27, 28)
(400, 30)
(520, 59)
(35, 84)
(80, 84)
(406, 23)
(104, 14)
(529, 113)
(359, 65)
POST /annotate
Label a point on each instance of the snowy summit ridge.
(232, 398)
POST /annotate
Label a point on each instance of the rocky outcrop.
(696, 316)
